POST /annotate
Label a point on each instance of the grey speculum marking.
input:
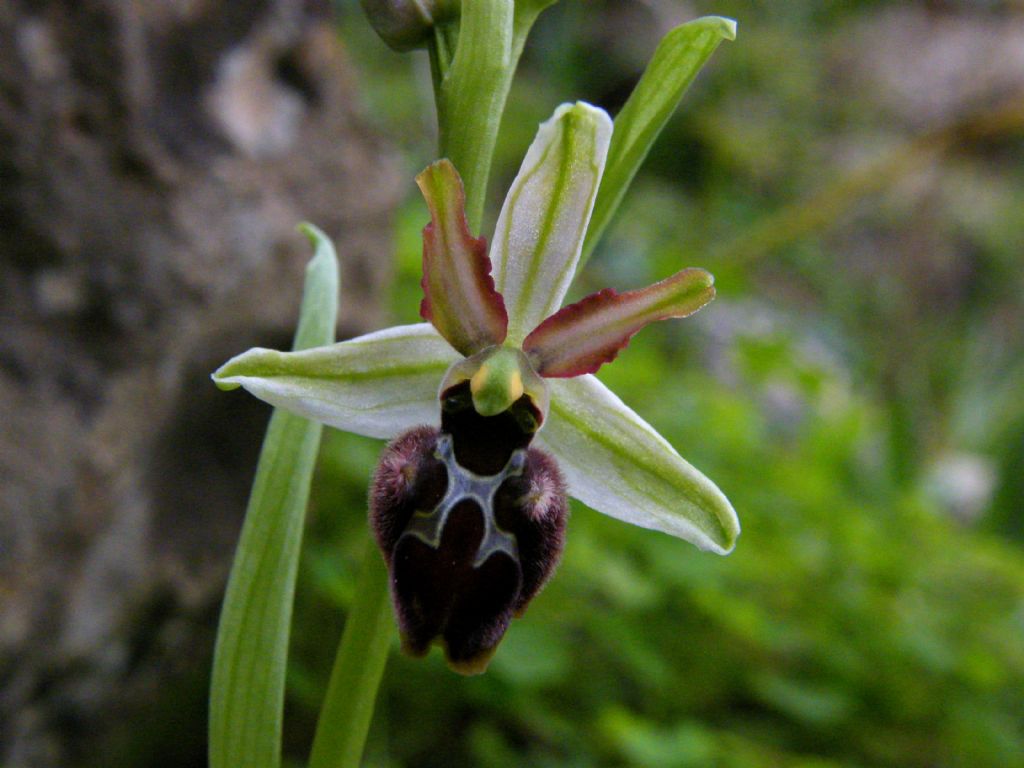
(464, 485)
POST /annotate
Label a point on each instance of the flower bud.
(408, 24)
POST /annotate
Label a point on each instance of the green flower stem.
(248, 679)
(441, 49)
(471, 97)
(471, 86)
(472, 67)
(358, 668)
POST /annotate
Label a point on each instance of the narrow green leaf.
(352, 691)
(247, 690)
(679, 57)
(319, 313)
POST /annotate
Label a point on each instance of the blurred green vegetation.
(855, 390)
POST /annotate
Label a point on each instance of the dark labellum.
(471, 522)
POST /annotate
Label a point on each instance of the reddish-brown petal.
(459, 297)
(582, 337)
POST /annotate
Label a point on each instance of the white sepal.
(616, 463)
(378, 385)
(542, 224)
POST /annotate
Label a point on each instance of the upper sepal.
(540, 230)
(582, 337)
(459, 298)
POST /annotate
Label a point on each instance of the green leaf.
(247, 690)
(376, 385)
(540, 230)
(318, 315)
(358, 666)
(679, 57)
(617, 463)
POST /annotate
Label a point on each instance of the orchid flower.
(492, 406)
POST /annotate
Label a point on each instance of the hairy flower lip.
(467, 551)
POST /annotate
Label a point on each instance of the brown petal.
(582, 337)
(459, 295)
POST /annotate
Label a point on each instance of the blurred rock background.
(851, 172)
(155, 159)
